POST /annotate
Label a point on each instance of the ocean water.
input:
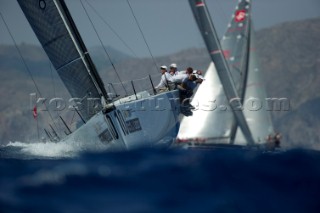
(60, 177)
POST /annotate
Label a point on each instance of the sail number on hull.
(105, 136)
(133, 125)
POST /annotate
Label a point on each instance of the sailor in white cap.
(173, 69)
(165, 81)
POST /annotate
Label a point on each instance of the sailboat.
(142, 119)
(230, 103)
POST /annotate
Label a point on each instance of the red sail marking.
(226, 54)
(199, 4)
(34, 111)
(240, 15)
(215, 52)
(231, 30)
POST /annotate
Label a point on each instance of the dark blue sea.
(39, 178)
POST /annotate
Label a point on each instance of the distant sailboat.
(138, 120)
(234, 77)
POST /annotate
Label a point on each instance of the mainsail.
(56, 31)
(209, 34)
(235, 44)
(238, 45)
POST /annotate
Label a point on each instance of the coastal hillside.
(289, 56)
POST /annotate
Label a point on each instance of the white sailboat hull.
(147, 122)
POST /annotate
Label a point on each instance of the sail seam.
(68, 63)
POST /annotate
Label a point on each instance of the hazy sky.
(168, 25)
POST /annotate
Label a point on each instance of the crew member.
(166, 82)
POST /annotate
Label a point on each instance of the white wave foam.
(60, 149)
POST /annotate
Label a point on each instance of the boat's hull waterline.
(151, 121)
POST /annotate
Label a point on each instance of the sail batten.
(66, 51)
(68, 63)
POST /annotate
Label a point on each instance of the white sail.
(255, 105)
(230, 86)
(212, 118)
(215, 125)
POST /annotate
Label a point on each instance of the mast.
(210, 37)
(53, 25)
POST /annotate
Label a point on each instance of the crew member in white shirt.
(165, 81)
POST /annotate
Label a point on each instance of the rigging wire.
(74, 113)
(104, 48)
(54, 91)
(52, 81)
(145, 41)
(25, 64)
(111, 28)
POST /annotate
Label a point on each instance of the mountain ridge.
(289, 57)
